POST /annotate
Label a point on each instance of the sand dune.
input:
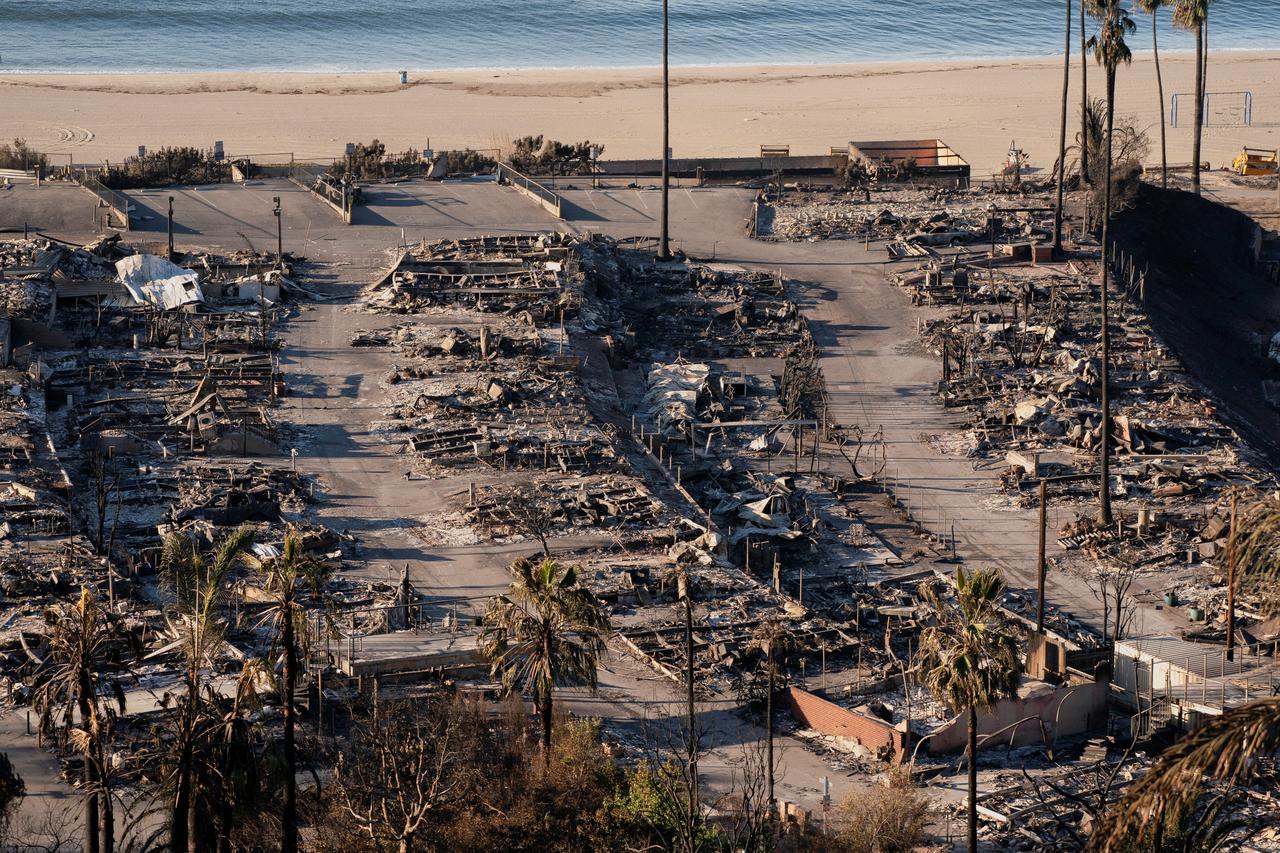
(978, 107)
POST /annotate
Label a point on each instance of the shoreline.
(977, 106)
(55, 78)
(1138, 51)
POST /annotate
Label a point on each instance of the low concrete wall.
(1054, 712)
(726, 167)
(875, 734)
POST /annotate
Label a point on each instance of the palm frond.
(968, 659)
(1223, 749)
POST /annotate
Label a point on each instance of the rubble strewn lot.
(1019, 342)
(663, 426)
(910, 220)
(139, 418)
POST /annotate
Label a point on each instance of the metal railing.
(314, 178)
(1210, 680)
(534, 190)
(116, 202)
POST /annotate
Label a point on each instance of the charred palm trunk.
(180, 820)
(1164, 151)
(289, 829)
(1195, 141)
(973, 779)
(544, 711)
(92, 826)
(224, 824)
(1062, 135)
(544, 701)
(105, 810)
(1104, 450)
(1084, 101)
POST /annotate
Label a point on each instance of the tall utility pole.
(664, 238)
(279, 237)
(1062, 137)
(1231, 583)
(1040, 563)
(170, 228)
(687, 585)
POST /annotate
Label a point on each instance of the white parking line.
(689, 193)
(639, 196)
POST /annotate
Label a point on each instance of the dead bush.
(882, 819)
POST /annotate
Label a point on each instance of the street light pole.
(170, 228)
(663, 239)
(279, 237)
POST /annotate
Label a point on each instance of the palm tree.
(85, 640)
(1194, 15)
(1110, 50)
(289, 578)
(201, 591)
(1062, 136)
(232, 778)
(546, 631)
(1229, 746)
(968, 660)
(1152, 8)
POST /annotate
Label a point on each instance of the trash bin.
(404, 77)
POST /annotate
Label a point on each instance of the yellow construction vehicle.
(1255, 161)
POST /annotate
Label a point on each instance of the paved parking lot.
(699, 217)
(52, 208)
(239, 216)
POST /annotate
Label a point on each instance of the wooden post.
(1040, 563)
(1231, 583)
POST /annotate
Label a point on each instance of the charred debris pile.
(908, 221)
(1018, 342)
(138, 425)
(667, 412)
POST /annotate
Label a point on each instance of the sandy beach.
(978, 107)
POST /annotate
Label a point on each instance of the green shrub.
(20, 155)
(167, 167)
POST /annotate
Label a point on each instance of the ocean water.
(371, 35)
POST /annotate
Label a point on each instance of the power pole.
(1104, 371)
(1062, 138)
(170, 228)
(1040, 565)
(693, 728)
(1231, 583)
(664, 236)
(769, 727)
(279, 237)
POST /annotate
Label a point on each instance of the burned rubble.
(1017, 343)
(138, 418)
(908, 221)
